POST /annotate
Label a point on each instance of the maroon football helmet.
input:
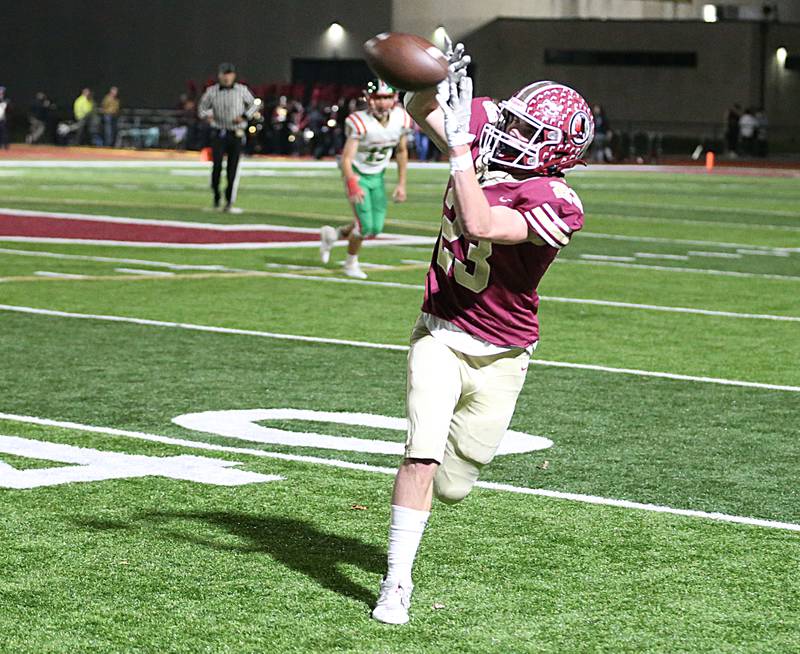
(544, 128)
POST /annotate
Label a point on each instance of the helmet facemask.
(522, 141)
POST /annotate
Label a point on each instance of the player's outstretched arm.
(426, 113)
(423, 105)
(401, 155)
(354, 192)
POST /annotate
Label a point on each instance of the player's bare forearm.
(348, 154)
(401, 155)
(425, 111)
(478, 219)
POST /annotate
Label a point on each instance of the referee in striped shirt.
(227, 106)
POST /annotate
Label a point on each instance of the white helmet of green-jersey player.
(381, 98)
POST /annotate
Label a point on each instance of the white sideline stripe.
(415, 287)
(337, 463)
(388, 346)
(49, 273)
(598, 260)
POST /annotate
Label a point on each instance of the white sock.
(405, 534)
(352, 260)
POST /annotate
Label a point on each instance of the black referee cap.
(227, 67)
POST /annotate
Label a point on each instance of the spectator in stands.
(110, 108)
(187, 122)
(4, 104)
(600, 147)
(762, 145)
(39, 117)
(732, 129)
(421, 143)
(747, 132)
(83, 110)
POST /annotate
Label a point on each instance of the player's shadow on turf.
(294, 543)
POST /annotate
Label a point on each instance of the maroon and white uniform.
(488, 290)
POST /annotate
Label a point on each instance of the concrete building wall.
(509, 53)
(463, 16)
(151, 47)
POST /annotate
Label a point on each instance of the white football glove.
(456, 58)
(455, 99)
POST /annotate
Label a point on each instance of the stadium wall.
(150, 48)
(727, 55)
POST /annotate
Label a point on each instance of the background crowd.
(293, 120)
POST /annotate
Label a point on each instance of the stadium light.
(780, 55)
(335, 33)
(710, 13)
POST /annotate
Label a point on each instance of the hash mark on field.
(655, 255)
(58, 275)
(575, 497)
(389, 346)
(139, 271)
(605, 257)
(722, 255)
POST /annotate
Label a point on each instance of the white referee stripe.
(575, 497)
(386, 346)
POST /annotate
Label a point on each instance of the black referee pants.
(225, 143)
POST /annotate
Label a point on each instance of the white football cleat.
(327, 237)
(355, 271)
(393, 602)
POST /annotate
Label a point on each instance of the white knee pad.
(454, 482)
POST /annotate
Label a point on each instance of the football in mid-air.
(405, 61)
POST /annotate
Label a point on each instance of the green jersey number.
(377, 154)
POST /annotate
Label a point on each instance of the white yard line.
(694, 208)
(659, 307)
(384, 284)
(575, 497)
(601, 260)
(259, 245)
(387, 346)
(762, 249)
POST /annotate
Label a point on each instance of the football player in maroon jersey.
(507, 212)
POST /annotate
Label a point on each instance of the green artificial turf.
(155, 564)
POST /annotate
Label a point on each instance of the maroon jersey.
(488, 289)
